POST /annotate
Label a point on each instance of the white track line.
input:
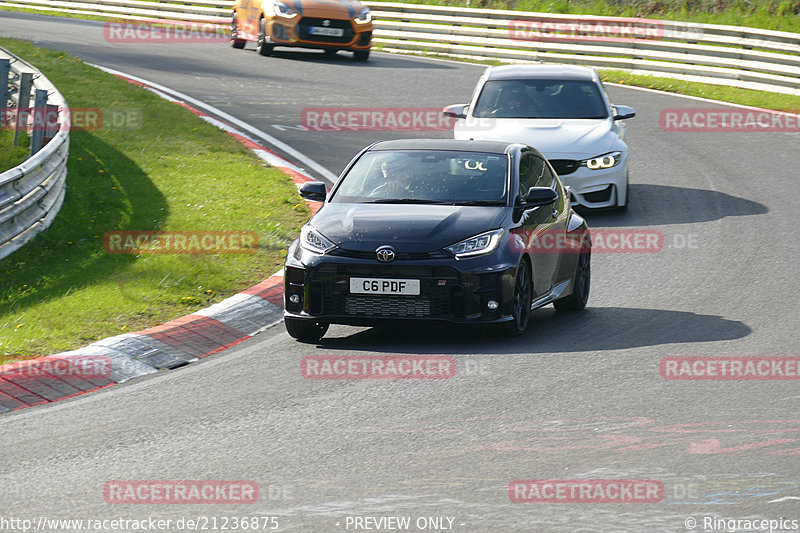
(269, 139)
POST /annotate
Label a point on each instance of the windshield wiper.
(481, 202)
(406, 201)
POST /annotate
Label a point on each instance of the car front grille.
(400, 256)
(563, 167)
(599, 196)
(385, 271)
(378, 305)
(441, 295)
(305, 24)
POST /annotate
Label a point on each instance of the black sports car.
(430, 229)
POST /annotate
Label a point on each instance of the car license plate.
(331, 32)
(403, 287)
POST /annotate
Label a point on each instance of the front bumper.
(297, 32)
(598, 188)
(450, 290)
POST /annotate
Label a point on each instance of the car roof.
(543, 71)
(497, 147)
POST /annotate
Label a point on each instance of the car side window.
(529, 171)
(547, 177)
(533, 172)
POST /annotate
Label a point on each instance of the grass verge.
(10, 155)
(151, 166)
(768, 100)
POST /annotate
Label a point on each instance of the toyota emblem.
(385, 254)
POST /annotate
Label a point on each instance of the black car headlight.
(603, 161)
(283, 10)
(364, 16)
(314, 241)
(483, 243)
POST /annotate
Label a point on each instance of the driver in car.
(514, 104)
(397, 181)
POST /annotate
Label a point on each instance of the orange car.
(330, 25)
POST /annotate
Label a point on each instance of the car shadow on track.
(58, 266)
(595, 329)
(655, 205)
(343, 58)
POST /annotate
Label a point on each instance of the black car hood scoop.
(405, 227)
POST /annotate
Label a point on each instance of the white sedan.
(563, 111)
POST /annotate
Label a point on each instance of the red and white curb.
(170, 345)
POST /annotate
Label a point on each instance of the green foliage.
(152, 166)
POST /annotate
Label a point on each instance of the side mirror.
(456, 111)
(314, 191)
(621, 112)
(538, 196)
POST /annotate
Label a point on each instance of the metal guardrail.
(726, 55)
(729, 55)
(202, 11)
(31, 194)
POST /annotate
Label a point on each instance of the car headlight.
(314, 241)
(364, 17)
(478, 245)
(603, 161)
(283, 10)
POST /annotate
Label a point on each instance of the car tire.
(262, 47)
(361, 55)
(305, 330)
(521, 305)
(235, 42)
(580, 285)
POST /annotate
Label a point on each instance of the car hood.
(337, 9)
(555, 138)
(407, 228)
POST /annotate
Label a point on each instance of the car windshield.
(426, 177)
(538, 98)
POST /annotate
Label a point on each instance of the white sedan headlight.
(314, 241)
(478, 245)
(603, 161)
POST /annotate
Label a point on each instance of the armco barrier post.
(51, 122)
(5, 93)
(23, 103)
(39, 118)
